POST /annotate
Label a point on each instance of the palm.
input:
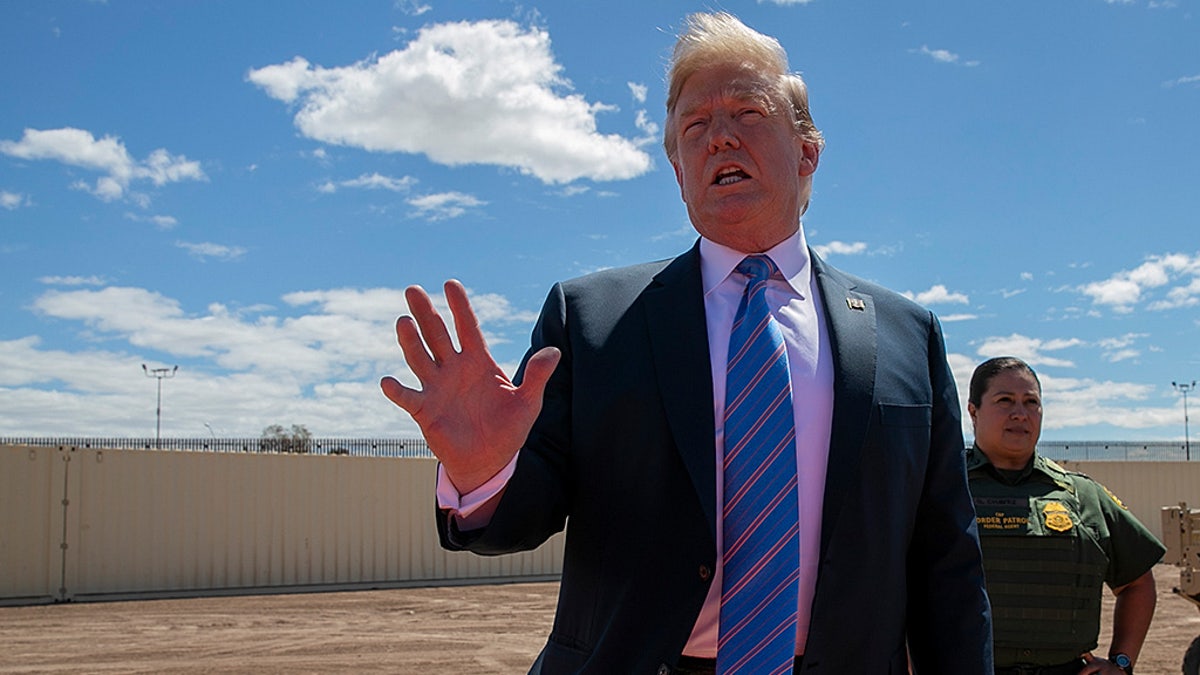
(471, 414)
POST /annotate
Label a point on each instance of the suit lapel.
(675, 316)
(850, 318)
(679, 344)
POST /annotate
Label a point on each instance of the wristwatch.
(1122, 661)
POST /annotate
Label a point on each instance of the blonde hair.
(721, 39)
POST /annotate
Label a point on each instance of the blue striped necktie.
(760, 512)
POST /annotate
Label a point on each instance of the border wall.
(95, 524)
(98, 524)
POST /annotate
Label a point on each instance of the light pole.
(1185, 388)
(159, 374)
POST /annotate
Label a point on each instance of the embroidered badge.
(1057, 517)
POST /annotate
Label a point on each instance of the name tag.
(1008, 515)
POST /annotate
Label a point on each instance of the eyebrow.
(739, 90)
(1014, 393)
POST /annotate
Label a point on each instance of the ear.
(810, 154)
(679, 180)
(971, 410)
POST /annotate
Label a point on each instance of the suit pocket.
(905, 415)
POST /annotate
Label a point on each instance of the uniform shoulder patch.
(1113, 497)
(1055, 466)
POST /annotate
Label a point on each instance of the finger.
(402, 396)
(1092, 665)
(538, 370)
(418, 359)
(466, 323)
(433, 327)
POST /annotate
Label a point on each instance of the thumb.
(538, 371)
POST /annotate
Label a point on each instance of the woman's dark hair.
(989, 369)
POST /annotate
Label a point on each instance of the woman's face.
(1008, 419)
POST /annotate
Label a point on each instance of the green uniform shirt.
(1051, 538)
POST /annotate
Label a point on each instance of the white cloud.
(444, 205)
(685, 231)
(840, 248)
(72, 281)
(573, 190)
(1181, 81)
(205, 250)
(1080, 402)
(160, 221)
(1122, 341)
(412, 7)
(1029, 349)
(936, 295)
(317, 364)
(486, 92)
(1180, 296)
(77, 147)
(1124, 291)
(373, 181)
(1121, 355)
(1118, 349)
(12, 200)
(943, 56)
(648, 127)
(785, 3)
(954, 318)
(638, 91)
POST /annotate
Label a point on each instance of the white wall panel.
(1146, 487)
(82, 523)
(180, 523)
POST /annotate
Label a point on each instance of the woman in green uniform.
(1051, 538)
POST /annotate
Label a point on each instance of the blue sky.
(244, 189)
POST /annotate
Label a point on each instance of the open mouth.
(730, 176)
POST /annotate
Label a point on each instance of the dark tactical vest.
(1045, 568)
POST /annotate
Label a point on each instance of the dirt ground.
(450, 629)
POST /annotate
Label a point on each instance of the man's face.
(1008, 420)
(743, 172)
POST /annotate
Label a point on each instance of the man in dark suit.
(610, 427)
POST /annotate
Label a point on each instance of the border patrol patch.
(1057, 517)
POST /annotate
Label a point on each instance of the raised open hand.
(471, 414)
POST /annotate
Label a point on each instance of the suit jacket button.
(705, 572)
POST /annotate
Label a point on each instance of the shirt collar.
(1042, 467)
(717, 262)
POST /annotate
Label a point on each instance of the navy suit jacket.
(623, 455)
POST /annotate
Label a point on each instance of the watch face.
(1122, 660)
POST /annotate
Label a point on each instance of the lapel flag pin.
(856, 304)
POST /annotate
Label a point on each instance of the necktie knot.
(757, 268)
